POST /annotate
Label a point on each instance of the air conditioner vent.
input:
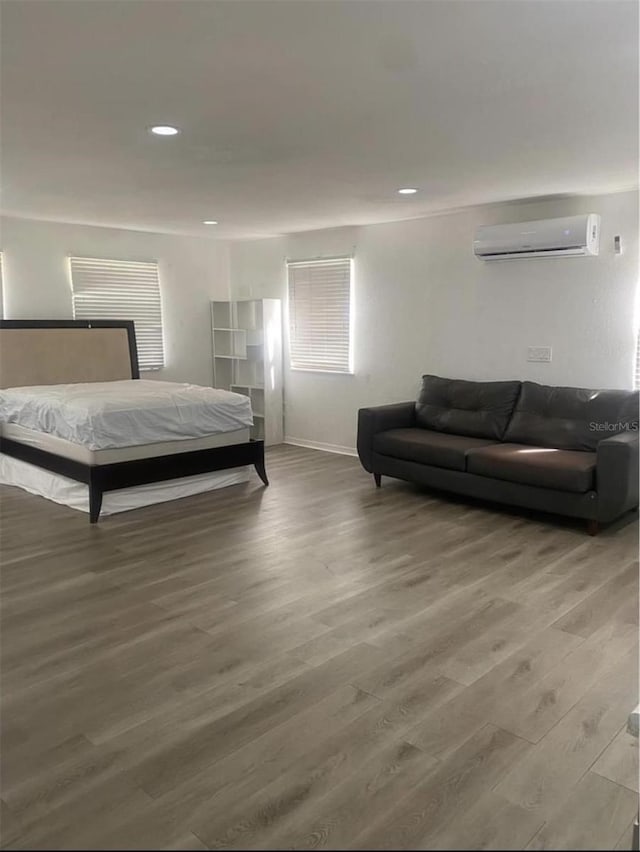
(572, 236)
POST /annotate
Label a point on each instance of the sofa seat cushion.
(563, 470)
(426, 447)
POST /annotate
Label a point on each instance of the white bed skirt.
(67, 492)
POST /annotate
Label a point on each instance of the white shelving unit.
(247, 359)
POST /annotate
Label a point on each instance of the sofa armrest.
(617, 475)
(381, 418)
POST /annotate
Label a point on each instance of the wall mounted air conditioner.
(571, 236)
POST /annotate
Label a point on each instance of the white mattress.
(112, 415)
(65, 491)
(77, 452)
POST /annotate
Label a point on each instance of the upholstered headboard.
(52, 352)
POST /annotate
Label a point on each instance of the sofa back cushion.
(571, 418)
(477, 409)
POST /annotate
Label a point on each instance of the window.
(120, 289)
(320, 315)
(636, 377)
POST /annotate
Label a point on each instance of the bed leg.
(259, 464)
(261, 471)
(95, 504)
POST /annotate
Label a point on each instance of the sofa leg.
(593, 527)
(378, 479)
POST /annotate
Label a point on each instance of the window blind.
(1, 290)
(320, 315)
(122, 289)
(636, 382)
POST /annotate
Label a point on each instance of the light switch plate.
(539, 353)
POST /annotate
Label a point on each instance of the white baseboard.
(318, 445)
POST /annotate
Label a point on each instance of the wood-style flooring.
(316, 664)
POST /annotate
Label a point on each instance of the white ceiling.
(302, 114)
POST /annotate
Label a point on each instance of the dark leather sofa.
(571, 451)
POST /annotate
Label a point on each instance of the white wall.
(192, 271)
(423, 303)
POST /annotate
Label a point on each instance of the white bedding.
(65, 491)
(105, 415)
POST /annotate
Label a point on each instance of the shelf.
(249, 373)
(223, 372)
(257, 402)
(222, 314)
(252, 331)
(255, 336)
(249, 314)
(258, 431)
(246, 348)
(229, 343)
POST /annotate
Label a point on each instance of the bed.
(73, 405)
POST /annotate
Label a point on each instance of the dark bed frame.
(110, 477)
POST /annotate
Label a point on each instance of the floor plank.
(532, 713)
(452, 788)
(557, 762)
(607, 602)
(593, 817)
(444, 729)
(626, 838)
(489, 823)
(619, 762)
(346, 811)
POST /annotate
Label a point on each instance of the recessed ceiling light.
(407, 191)
(209, 222)
(164, 130)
